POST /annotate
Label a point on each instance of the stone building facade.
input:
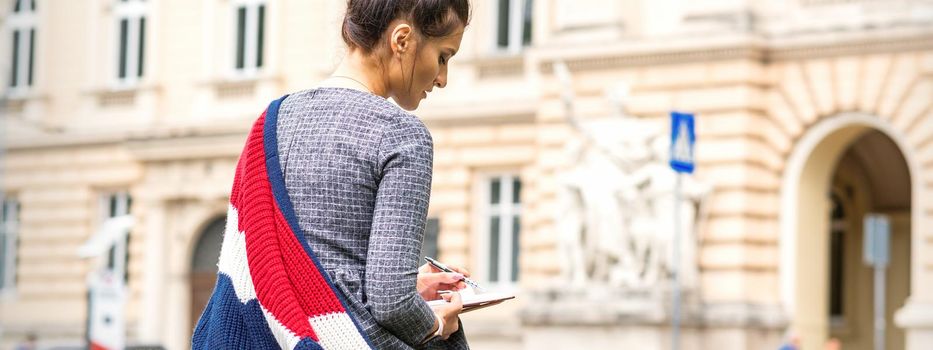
(810, 115)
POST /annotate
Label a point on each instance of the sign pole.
(877, 254)
(676, 261)
(879, 307)
(683, 139)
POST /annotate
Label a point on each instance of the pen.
(442, 267)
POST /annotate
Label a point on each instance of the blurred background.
(123, 120)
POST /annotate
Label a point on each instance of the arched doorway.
(204, 266)
(842, 169)
(870, 177)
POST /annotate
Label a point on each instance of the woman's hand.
(431, 280)
(450, 313)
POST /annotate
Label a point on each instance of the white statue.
(570, 229)
(654, 220)
(598, 195)
(615, 224)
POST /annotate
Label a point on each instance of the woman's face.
(422, 67)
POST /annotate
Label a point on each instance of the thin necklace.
(354, 80)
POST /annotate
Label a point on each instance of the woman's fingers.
(448, 277)
(450, 313)
(428, 268)
(461, 270)
(441, 280)
(451, 286)
(454, 300)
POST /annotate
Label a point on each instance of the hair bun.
(366, 20)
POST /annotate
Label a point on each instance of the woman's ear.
(402, 38)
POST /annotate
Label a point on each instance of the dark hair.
(366, 20)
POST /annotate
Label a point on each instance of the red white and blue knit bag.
(271, 291)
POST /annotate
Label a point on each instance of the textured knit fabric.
(271, 290)
(358, 172)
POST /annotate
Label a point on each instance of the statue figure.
(653, 219)
(615, 224)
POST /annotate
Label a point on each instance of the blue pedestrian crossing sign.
(877, 240)
(683, 139)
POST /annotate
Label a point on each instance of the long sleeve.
(358, 172)
(404, 185)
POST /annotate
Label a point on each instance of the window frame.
(430, 246)
(837, 237)
(132, 65)
(482, 193)
(23, 22)
(9, 233)
(254, 32)
(516, 26)
(123, 204)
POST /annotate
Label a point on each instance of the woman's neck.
(359, 71)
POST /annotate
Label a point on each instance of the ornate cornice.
(187, 144)
(149, 143)
(833, 47)
(736, 47)
(649, 52)
(509, 111)
(657, 58)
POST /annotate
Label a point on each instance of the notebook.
(474, 301)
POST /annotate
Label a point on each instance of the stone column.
(916, 317)
(176, 286)
(152, 321)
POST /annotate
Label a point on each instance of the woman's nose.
(441, 80)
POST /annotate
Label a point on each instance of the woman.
(357, 172)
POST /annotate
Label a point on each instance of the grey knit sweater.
(358, 171)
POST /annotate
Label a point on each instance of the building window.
(131, 40)
(117, 260)
(513, 24)
(249, 29)
(837, 261)
(809, 3)
(23, 28)
(9, 231)
(432, 229)
(503, 228)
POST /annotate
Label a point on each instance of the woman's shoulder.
(405, 123)
(349, 102)
(352, 104)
